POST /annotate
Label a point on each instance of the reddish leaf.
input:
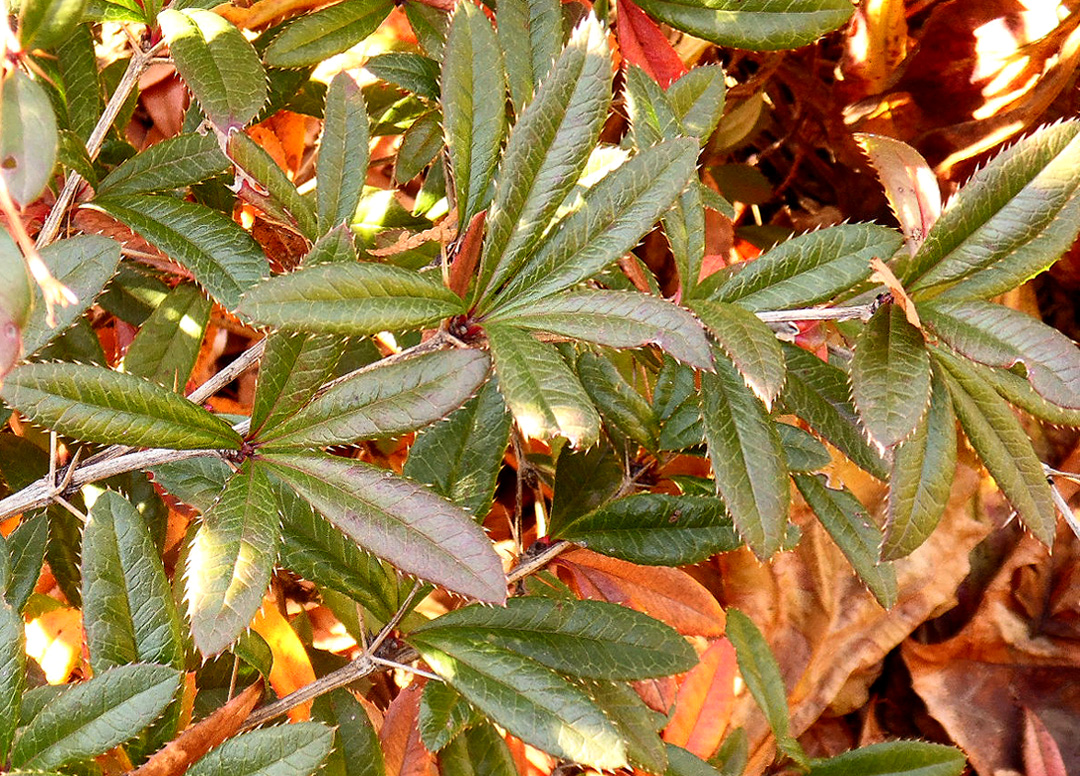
(400, 737)
(468, 253)
(1042, 757)
(642, 43)
(703, 705)
(658, 694)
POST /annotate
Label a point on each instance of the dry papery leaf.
(400, 736)
(703, 704)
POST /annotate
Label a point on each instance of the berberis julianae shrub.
(520, 352)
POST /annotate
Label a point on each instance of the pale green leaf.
(165, 349)
(620, 404)
(283, 750)
(638, 724)
(334, 247)
(697, 99)
(269, 187)
(412, 72)
(292, 369)
(317, 36)
(343, 153)
(28, 138)
(894, 758)
(171, 164)
(530, 33)
(749, 343)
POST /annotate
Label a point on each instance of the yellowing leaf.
(291, 669)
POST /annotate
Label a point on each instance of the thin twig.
(538, 562)
(858, 312)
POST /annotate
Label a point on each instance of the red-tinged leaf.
(400, 737)
(1042, 756)
(910, 185)
(463, 265)
(668, 594)
(659, 694)
(703, 705)
(642, 43)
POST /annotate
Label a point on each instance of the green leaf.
(195, 481)
(544, 395)
(462, 456)
(853, 531)
(894, 758)
(45, 23)
(761, 25)
(619, 319)
(292, 369)
(320, 35)
(128, 609)
(78, 67)
(99, 405)
(165, 349)
(91, 718)
(584, 480)
(26, 546)
(802, 449)
(759, 670)
(420, 144)
(412, 72)
(682, 762)
(749, 343)
(12, 670)
(697, 99)
(747, 459)
(531, 701)
(999, 439)
(921, 478)
(637, 723)
(443, 715)
(609, 220)
(334, 247)
(1018, 391)
(283, 750)
(1001, 337)
(230, 561)
(678, 406)
(173, 163)
(356, 745)
(622, 407)
(350, 299)
(1012, 220)
(593, 639)
(811, 268)
(343, 152)
(398, 520)
(217, 64)
(278, 197)
(28, 139)
(819, 394)
(530, 32)
(654, 529)
(224, 259)
(474, 107)
(546, 151)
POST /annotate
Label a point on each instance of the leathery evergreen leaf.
(1001, 337)
(638, 725)
(128, 608)
(894, 758)
(224, 259)
(697, 99)
(343, 153)
(621, 405)
(480, 750)
(166, 346)
(171, 164)
(474, 107)
(547, 150)
(310, 39)
(655, 529)
(749, 343)
(350, 299)
(26, 545)
(398, 520)
(593, 639)
(292, 368)
(1012, 220)
(195, 481)
(544, 395)
(999, 439)
(385, 400)
(12, 670)
(412, 72)
(761, 25)
(231, 559)
(530, 700)
(810, 268)
(461, 457)
(356, 744)
(1018, 392)
(443, 715)
(530, 32)
(218, 65)
(92, 717)
(747, 458)
(610, 219)
(99, 405)
(890, 376)
(278, 198)
(677, 404)
(921, 478)
(283, 750)
(853, 531)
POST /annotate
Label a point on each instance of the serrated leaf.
(546, 151)
(99, 405)
(749, 343)
(894, 758)
(910, 185)
(802, 449)
(621, 405)
(412, 72)
(310, 39)
(1001, 337)
(26, 548)
(638, 724)
(278, 198)
(224, 259)
(292, 369)
(530, 32)
(759, 670)
(92, 717)
(584, 480)
(592, 639)
(420, 144)
(546, 398)
(462, 456)
(217, 64)
(810, 268)
(761, 25)
(165, 348)
(479, 751)
(682, 762)
(350, 299)
(619, 319)
(474, 107)
(343, 152)
(747, 458)
(443, 715)
(678, 406)
(697, 99)
(28, 139)
(609, 220)
(385, 400)
(356, 745)
(283, 750)
(1018, 391)
(334, 247)
(654, 529)
(531, 701)
(77, 63)
(818, 393)
(398, 520)
(128, 609)
(231, 559)
(12, 670)
(999, 439)
(1013, 219)
(921, 477)
(171, 164)
(196, 481)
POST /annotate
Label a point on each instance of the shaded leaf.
(584, 480)
(310, 39)
(413, 72)
(530, 32)
(343, 153)
(171, 164)
(1042, 756)
(803, 451)
(292, 369)
(479, 751)
(1018, 391)
(697, 99)
(894, 758)
(12, 668)
(420, 144)
(678, 406)
(682, 762)
(165, 348)
(26, 547)
(272, 192)
(283, 750)
(749, 343)
(28, 139)
(443, 715)
(356, 746)
(195, 481)
(620, 404)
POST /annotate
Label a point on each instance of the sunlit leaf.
(621, 405)
(530, 33)
(894, 758)
(284, 750)
(171, 164)
(165, 348)
(356, 745)
(12, 668)
(910, 185)
(750, 345)
(343, 153)
(704, 703)
(272, 191)
(310, 39)
(292, 368)
(28, 138)
(443, 715)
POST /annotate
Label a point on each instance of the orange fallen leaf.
(703, 705)
(291, 669)
(405, 753)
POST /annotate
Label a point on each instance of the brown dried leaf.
(703, 705)
(400, 737)
(1042, 757)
